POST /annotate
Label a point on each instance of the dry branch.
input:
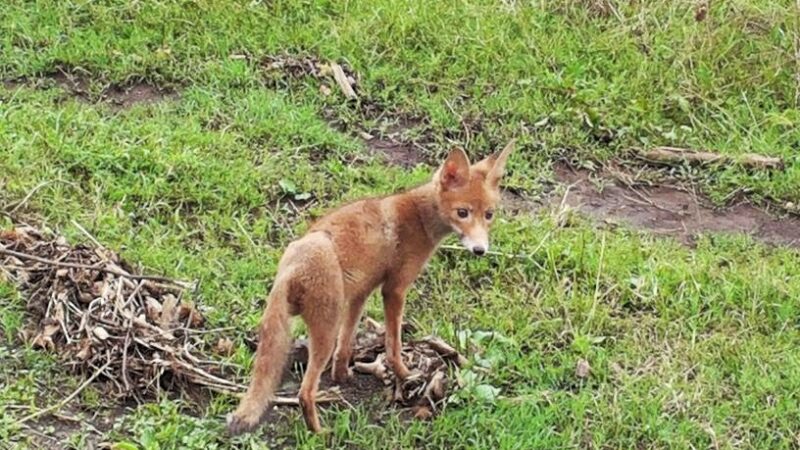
(674, 155)
(342, 81)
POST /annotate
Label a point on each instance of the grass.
(688, 347)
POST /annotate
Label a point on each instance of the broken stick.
(69, 398)
(342, 81)
(672, 155)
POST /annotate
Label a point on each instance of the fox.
(327, 275)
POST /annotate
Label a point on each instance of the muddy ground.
(89, 90)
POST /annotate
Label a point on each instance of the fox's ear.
(495, 164)
(455, 170)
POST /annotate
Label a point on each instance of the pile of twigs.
(103, 317)
(429, 359)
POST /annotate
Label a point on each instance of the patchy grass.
(688, 347)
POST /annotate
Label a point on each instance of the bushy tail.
(271, 356)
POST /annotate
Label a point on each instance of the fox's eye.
(463, 213)
(489, 214)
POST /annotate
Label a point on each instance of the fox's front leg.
(394, 298)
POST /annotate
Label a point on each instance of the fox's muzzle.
(478, 247)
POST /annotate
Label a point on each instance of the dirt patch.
(669, 210)
(126, 96)
(85, 89)
(396, 153)
(394, 146)
(55, 431)
(516, 203)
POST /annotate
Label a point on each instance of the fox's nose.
(478, 250)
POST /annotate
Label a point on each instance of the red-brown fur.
(327, 275)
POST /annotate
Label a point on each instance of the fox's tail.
(270, 360)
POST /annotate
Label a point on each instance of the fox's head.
(468, 194)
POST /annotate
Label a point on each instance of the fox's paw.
(342, 375)
(239, 423)
(402, 372)
(324, 433)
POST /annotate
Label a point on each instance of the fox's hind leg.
(322, 323)
(344, 346)
(321, 294)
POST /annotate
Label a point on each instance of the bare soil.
(80, 86)
(393, 145)
(669, 210)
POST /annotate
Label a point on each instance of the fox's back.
(364, 236)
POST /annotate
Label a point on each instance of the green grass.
(688, 347)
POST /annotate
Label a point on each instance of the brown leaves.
(139, 330)
(701, 10)
(44, 338)
(224, 347)
(189, 315)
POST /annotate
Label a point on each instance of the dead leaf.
(153, 309)
(224, 346)
(101, 333)
(45, 337)
(13, 235)
(701, 12)
(436, 387)
(169, 312)
(85, 351)
(188, 313)
(422, 412)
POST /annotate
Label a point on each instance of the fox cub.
(326, 275)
